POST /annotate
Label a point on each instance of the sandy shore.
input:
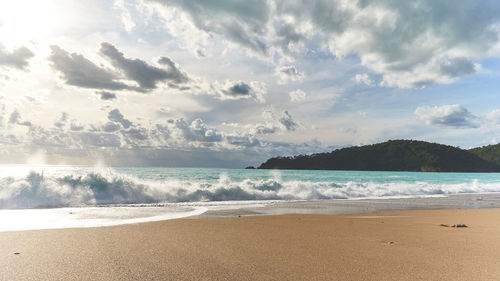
(388, 245)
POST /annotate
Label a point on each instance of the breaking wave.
(36, 190)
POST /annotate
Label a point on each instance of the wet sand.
(386, 245)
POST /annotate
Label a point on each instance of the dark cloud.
(111, 127)
(137, 134)
(241, 89)
(458, 67)
(411, 44)
(18, 58)
(16, 119)
(147, 76)
(265, 129)
(76, 126)
(200, 53)
(174, 74)
(104, 95)
(61, 122)
(243, 22)
(287, 121)
(78, 71)
(448, 116)
(116, 116)
(287, 35)
(15, 116)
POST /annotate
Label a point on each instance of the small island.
(396, 155)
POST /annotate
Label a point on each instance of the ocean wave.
(36, 190)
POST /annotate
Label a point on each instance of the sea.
(44, 197)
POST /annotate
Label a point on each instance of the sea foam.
(106, 186)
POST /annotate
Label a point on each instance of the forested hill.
(489, 153)
(395, 155)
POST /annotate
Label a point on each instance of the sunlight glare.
(22, 20)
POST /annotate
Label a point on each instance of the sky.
(230, 83)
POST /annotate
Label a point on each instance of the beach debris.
(444, 225)
(459, 225)
(390, 243)
(17, 253)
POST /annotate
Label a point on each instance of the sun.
(28, 20)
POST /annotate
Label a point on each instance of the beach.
(384, 245)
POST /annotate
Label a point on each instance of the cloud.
(174, 73)
(15, 116)
(127, 21)
(18, 58)
(76, 126)
(297, 95)
(239, 21)
(147, 76)
(458, 67)
(287, 121)
(288, 73)
(240, 90)
(363, 79)
(116, 116)
(110, 127)
(410, 44)
(69, 139)
(62, 121)
(104, 95)
(197, 131)
(16, 119)
(454, 116)
(78, 71)
(265, 129)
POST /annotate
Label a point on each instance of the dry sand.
(390, 245)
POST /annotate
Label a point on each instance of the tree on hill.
(393, 155)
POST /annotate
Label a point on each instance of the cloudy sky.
(229, 83)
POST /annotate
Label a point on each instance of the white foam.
(31, 219)
(104, 186)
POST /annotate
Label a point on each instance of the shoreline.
(381, 245)
(102, 216)
(364, 205)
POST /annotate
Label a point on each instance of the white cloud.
(297, 95)
(288, 74)
(454, 116)
(126, 18)
(363, 79)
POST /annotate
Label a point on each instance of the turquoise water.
(65, 186)
(213, 175)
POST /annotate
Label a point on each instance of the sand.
(386, 245)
